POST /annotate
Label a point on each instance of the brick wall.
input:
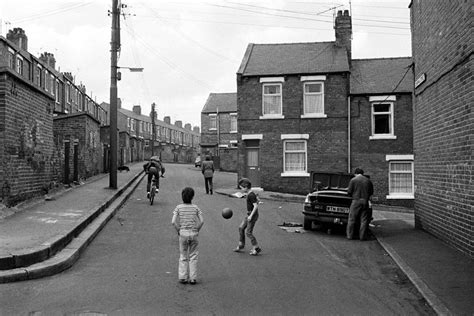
(443, 121)
(28, 160)
(370, 155)
(84, 129)
(327, 143)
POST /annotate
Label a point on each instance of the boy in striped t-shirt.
(188, 220)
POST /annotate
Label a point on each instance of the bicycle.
(153, 189)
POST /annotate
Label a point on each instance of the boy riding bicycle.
(153, 168)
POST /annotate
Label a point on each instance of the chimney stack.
(196, 129)
(187, 126)
(137, 109)
(178, 123)
(167, 120)
(18, 37)
(343, 27)
(48, 59)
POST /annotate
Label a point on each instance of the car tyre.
(307, 224)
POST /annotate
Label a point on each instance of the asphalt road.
(131, 266)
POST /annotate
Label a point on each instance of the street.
(131, 266)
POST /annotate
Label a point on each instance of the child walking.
(188, 220)
(248, 223)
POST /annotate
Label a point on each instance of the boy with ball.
(248, 223)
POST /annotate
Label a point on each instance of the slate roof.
(226, 102)
(293, 58)
(381, 75)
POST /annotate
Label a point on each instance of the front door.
(253, 169)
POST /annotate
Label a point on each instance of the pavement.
(45, 236)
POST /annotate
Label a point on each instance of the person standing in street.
(248, 223)
(360, 189)
(188, 220)
(207, 169)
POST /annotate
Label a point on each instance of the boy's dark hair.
(187, 194)
(244, 182)
(358, 171)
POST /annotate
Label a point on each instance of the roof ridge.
(295, 43)
(382, 58)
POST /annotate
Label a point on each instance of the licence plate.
(337, 209)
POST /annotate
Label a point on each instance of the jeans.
(359, 210)
(246, 229)
(208, 183)
(188, 255)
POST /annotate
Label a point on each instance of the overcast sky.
(189, 49)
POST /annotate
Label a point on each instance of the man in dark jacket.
(360, 189)
(153, 169)
(207, 169)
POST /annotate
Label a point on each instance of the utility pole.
(153, 131)
(114, 47)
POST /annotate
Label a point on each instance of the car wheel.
(307, 224)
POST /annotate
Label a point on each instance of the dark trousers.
(208, 183)
(150, 177)
(358, 212)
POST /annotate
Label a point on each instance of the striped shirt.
(187, 216)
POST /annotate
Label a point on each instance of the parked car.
(197, 162)
(328, 203)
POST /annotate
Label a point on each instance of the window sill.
(377, 137)
(233, 132)
(213, 129)
(400, 197)
(313, 116)
(272, 117)
(294, 174)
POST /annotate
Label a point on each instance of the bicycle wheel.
(152, 195)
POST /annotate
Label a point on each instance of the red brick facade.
(443, 120)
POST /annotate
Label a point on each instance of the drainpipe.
(349, 134)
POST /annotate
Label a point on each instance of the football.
(227, 213)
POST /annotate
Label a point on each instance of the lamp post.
(153, 131)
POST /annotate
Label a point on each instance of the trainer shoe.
(157, 190)
(238, 249)
(192, 282)
(253, 252)
(148, 195)
(258, 249)
(183, 281)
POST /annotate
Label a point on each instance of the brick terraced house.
(219, 134)
(49, 126)
(442, 46)
(306, 107)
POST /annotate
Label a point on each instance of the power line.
(302, 18)
(51, 12)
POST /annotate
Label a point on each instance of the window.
(382, 118)
(56, 91)
(68, 93)
(11, 58)
(233, 122)
(295, 155)
(19, 65)
(47, 81)
(313, 99)
(401, 179)
(132, 125)
(38, 76)
(212, 121)
(272, 101)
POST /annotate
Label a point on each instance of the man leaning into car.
(360, 189)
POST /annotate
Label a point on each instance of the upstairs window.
(212, 121)
(233, 123)
(382, 118)
(11, 58)
(313, 99)
(19, 65)
(38, 77)
(272, 99)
